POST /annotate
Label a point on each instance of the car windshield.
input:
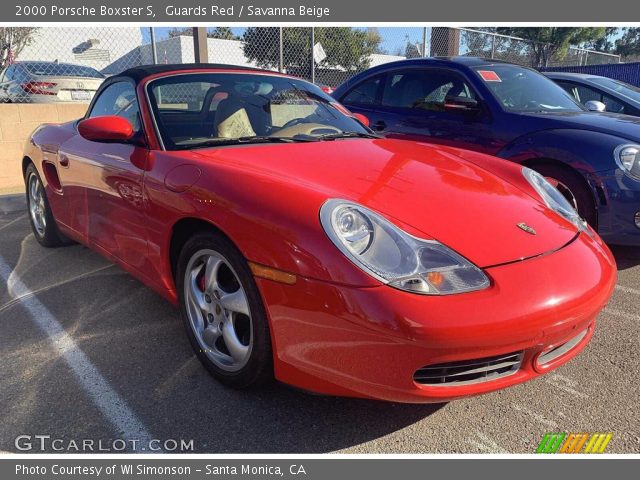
(213, 109)
(50, 69)
(520, 89)
(619, 87)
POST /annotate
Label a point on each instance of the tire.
(573, 187)
(222, 312)
(43, 223)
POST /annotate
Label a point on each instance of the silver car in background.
(598, 93)
(48, 82)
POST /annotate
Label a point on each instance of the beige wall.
(17, 121)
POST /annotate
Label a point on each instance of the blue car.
(515, 113)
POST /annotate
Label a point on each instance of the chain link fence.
(523, 52)
(67, 64)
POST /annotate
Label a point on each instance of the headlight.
(628, 158)
(554, 199)
(395, 257)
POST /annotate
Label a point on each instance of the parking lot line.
(534, 415)
(628, 290)
(486, 444)
(107, 400)
(2, 227)
(30, 293)
(622, 314)
(565, 384)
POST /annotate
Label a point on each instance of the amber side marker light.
(272, 274)
(436, 278)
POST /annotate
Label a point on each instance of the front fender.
(587, 152)
(272, 223)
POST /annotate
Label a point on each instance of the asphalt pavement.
(90, 354)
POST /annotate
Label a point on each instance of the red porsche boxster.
(299, 245)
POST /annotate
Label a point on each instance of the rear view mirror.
(595, 106)
(461, 104)
(106, 129)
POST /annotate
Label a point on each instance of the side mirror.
(595, 106)
(362, 119)
(461, 104)
(106, 129)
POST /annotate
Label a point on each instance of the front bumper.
(369, 342)
(617, 218)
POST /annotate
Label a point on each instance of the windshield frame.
(477, 68)
(154, 110)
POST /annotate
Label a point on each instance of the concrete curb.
(12, 203)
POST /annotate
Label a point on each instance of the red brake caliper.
(201, 280)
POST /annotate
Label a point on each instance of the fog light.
(637, 219)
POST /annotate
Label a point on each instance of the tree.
(478, 44)
(629, 44)
(486, 42)
(605, 43)
(224, 33)
(374, 38)
(12, 42)
(549, 42)
(345, 47)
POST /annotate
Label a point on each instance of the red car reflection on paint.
(299, 245)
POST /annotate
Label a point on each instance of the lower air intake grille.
(560, 350)
(469, 371)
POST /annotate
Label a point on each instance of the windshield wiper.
(219, 142)
(334, 136)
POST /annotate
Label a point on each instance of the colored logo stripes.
(574, 442)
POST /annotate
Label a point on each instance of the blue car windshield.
(619, 87)
(522, 90)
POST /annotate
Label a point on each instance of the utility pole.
(200, 49)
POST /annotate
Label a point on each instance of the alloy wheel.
(37, 207)
(218, 310)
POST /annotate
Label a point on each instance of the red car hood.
(426, 189)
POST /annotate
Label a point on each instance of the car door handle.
(379, 125)
(64, 160)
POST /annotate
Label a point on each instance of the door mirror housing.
(461, 104)
(595, 106)
(362, 119)
(106, 129)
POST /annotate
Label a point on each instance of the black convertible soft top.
(137, 74)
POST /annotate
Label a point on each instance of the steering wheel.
(306, 128)
(292, 122)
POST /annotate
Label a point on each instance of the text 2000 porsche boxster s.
(301, 246)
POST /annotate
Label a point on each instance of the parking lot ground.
(90, 353)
